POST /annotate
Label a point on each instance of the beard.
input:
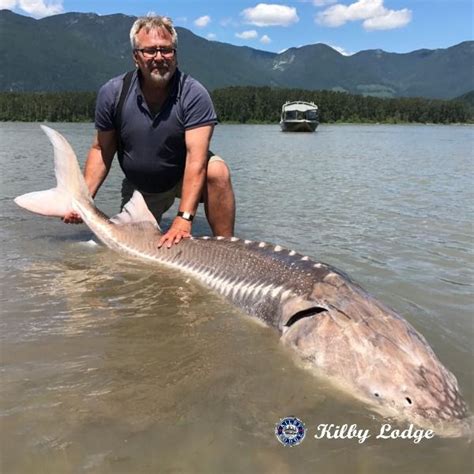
(161, 75)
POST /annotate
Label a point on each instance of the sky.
(348, 26)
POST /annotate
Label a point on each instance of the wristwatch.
(187, 216)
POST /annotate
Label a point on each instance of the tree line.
(249, 105)
(47, 107)
(263, 104)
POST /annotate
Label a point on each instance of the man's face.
(158, 69)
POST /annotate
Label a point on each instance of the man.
(167, 120)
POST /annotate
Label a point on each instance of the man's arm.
(97, 166)
(197, 147)
(100, 159)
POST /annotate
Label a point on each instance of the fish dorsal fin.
(134, 211)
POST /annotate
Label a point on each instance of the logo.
(290, 431)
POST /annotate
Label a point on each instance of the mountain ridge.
(81, 51)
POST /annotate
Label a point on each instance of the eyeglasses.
(149, 53)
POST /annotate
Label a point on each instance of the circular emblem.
(290, 431)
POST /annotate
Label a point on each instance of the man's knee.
(218, 173)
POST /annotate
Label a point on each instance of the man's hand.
(180, 229)
(72, 217)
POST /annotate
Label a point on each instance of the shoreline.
(250, 122)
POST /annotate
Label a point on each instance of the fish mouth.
(443, 424)
(453, 428)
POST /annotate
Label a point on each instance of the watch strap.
(187, 216)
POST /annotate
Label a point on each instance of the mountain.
(78, 51)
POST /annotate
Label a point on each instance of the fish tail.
(70, 186)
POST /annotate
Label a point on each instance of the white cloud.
(8, 4)
(393, 19)
(372, 12)
(202, 21)
(265, 14)
(265, 39)
(35, 8)
(211, 36)
(322, 3)
(251, 34)
(338, 15)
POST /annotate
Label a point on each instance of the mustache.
(161, 62)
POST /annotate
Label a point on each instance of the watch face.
(186, 215)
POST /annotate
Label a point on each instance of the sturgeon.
(329, 321)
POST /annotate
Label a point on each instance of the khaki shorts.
(158, 203)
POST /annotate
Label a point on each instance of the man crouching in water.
(162, 135)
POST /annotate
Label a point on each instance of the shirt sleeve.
(105, 106)
(198, 109)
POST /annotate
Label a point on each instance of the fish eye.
(408, 399)
(376, 394)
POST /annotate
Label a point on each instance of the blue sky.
(347, 25)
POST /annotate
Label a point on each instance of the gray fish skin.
(330, 322)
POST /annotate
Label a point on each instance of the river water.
(114, 366)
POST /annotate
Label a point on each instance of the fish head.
(375, 355)
(414, 388)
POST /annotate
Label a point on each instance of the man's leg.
(219, 202)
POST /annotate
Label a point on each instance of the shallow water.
(110, 365)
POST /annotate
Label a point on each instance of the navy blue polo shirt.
(154, 149)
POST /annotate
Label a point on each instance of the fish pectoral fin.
(135, 210)
(52, 202)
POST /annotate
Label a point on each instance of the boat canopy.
(299, 106)
(299, 116)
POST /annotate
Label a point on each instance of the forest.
(250, 105)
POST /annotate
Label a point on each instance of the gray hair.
(152, 22)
